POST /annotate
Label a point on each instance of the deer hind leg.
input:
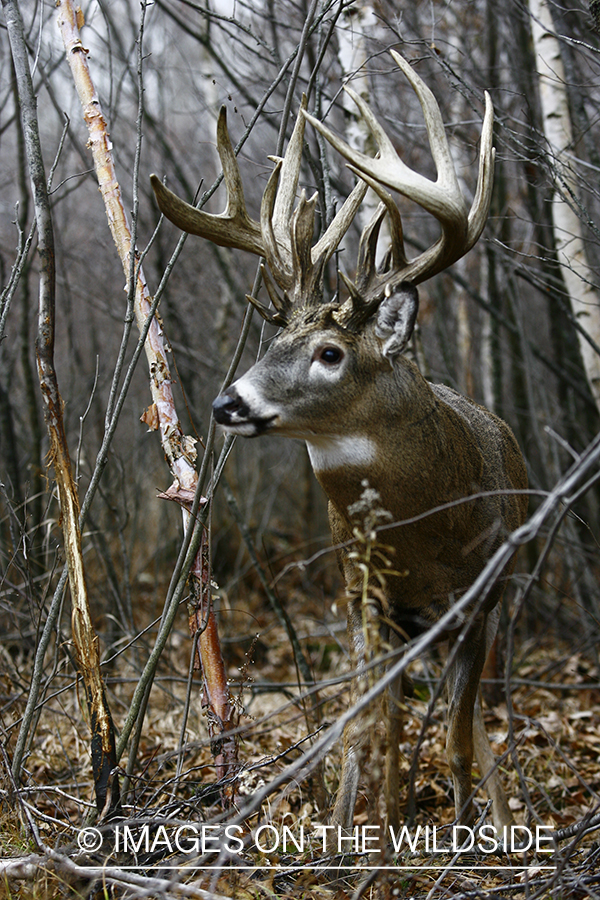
(466, 729)
(463, 686)
(486, 761)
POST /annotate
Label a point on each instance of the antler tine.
(231, 228)
(398, 255)
(447, 181)
(283, 304)
(441, 154)
(442, 198)
(288, 177)
(287, 234)
(307, 271)
(277, 219)
(367, 249)
(299, 271)
(371, 283)
(330, 240)
(275, 318)
(367, 277)
(280, 267)
(485, 179)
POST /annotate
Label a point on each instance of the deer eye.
(331, 356)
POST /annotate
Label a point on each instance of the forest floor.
(547, 737)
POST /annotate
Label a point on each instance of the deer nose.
(226, 406)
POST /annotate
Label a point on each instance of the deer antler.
(442, 198)
(283, 236)
(231, 228)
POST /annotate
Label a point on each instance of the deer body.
(366, 418)
(420, 446)
(446, 470)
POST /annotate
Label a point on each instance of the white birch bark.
(353, 57)
(568, 234)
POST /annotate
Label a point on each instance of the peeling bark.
(161, 415)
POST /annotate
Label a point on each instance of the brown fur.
(369, 415)
(447, 471)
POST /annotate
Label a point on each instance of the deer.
(337, 376)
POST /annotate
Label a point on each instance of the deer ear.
(396, 318)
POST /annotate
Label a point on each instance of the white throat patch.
(335, 452)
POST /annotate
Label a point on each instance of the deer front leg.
(394, 720)
(488, 768)
(356, 731)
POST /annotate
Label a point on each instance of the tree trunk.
(568, 233)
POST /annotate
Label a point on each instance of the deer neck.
(330, 453)
(402, 451)
(388, 454)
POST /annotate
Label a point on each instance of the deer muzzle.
(234, 414)
(229, 408)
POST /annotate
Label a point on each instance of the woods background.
(516, 325)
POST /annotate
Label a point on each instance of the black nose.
(226, 405)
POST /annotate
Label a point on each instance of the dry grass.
(554, 716)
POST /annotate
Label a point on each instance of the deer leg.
(486, 760)
(488, 768)
(463, 687)
(466, 729)
(356, 731)
(394, 720)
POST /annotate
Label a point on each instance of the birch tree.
(567, 225)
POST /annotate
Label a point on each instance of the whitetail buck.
(335, 377)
